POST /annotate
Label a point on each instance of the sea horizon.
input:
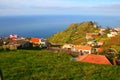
(43, 26)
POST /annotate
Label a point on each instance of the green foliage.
(46, 65)
(107, 30)
(73, 33)
(112, 42)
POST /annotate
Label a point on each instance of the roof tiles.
(35, 40)
(96, 59)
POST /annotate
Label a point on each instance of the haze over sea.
(43, 26)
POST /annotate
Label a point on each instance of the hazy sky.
(65, 7)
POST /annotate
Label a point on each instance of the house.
(67, 46)
(92, 58)
(101, 32)
(117, 29)
(36, 41)
(18, 44)
(13, 36)
(44, 43)
(95, 25)
(100, 43)
(112, 33)
(102, 29)
(82, 49)
(92, 43)
(89, 36)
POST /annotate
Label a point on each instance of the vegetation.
(113, 43)
(46, 65)
(75, 33)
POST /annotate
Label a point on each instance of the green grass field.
(46, 65)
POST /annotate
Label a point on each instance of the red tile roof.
(96, 59)
(35, 40)
(88, 34)
(83, 47)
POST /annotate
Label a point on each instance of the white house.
(117, 29)
(44, 43)
(67, 46)
(100, 43)
(12, 36)
(112, 34)
(83, 49)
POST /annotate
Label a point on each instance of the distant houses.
(90, 50)
(14, 42)
(85, 51)
(112, 33)
(18, 43)
(90, 47)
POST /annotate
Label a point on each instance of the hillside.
(75, 33)
(46, 65)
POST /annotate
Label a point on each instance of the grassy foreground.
(46, 65)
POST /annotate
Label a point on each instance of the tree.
(107, 30)
(112, 53)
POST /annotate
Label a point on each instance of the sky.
(60, 7)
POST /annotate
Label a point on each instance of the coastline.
(46, 25)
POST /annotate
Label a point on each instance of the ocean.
(43, 26)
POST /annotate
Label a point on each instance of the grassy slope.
(113, 42)
(45, 65)
(75, 33)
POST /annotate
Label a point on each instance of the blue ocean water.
(45, 25)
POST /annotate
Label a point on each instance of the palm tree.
(112, 54)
